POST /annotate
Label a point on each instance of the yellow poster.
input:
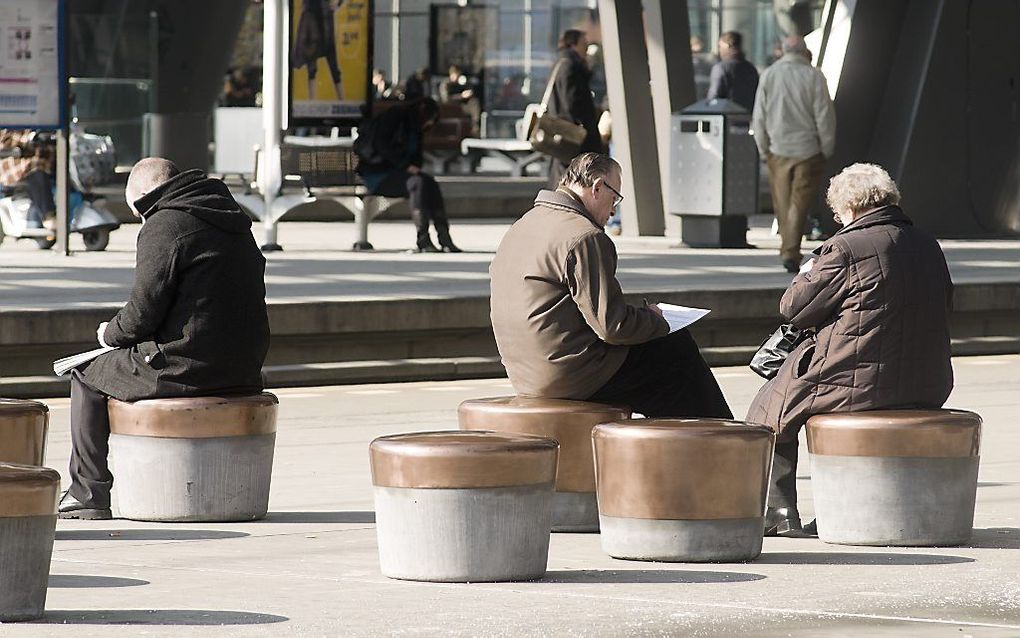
(330, 56)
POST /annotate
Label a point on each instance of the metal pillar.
(672, 74)
(63, 189)
(630, 101)
(274, 75)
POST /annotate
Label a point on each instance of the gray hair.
(146, 175)
(794, 44)
(861, 187)
(588, 167)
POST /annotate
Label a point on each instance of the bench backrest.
(320, 166)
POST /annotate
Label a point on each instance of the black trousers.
(91, 479)
(666, 377)
(40, 191)
(783, 487)
(426, 201)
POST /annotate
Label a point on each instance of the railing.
(114, 107)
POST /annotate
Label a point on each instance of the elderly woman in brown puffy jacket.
(876, 297)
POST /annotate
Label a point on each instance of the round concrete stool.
(895, 477)
(193, 459)
(682, 490)
(575, 508)
(23, 427)
(28, 521)
(463, 506)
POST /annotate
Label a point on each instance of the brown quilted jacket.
(878, 299)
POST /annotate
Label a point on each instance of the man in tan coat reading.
(561, 323)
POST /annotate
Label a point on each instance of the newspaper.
(65, 365)
(680, 316)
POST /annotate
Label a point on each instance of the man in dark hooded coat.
(195, 324)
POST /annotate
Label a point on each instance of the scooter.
(91, 162)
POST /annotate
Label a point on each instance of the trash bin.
(713, 173)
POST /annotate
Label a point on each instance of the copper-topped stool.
(895, 477)
(463, 506)
(193, 459)
(23, 427)
(28, 521)
(682, 490)
(575, 508)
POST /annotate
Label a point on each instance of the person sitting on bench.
(195, 323)
(389, 147)
(562, 326)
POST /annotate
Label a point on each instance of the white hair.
(861, 187)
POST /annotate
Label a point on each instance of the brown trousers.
(794, 185)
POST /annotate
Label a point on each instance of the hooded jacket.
(196, 321)
(878, 301)
(561, 323)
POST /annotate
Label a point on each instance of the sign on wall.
(330, 61)
(32, 83)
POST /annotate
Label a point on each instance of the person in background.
(876, 298)
(25, 160)
(572, 96)
(702, 63)
(794, 125)
(418, 85)
(389, 147)
(382, 90)
(239, 88)
(458, 89)
(562, 325)
(316, 39)
(733, 77)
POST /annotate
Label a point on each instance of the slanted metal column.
(672, 76)
(630, 101)
(274, 74)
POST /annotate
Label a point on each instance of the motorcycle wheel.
(96, 239)
(45, 243)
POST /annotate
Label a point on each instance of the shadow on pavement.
(857, 558)
(158, 617)
(652, 576)
(320, 517)
(82, 581)
(145, 534)
(995, 538)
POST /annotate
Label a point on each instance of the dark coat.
(572, 98)
(735, 79)
(196, 321)
(388, 144)
(878, 299)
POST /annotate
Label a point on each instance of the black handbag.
(775, 349)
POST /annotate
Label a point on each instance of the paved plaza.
(317, 265)
(310, 568)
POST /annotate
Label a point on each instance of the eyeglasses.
(619, 195)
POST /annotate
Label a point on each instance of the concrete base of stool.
(26, 544)
(575, 512)
(464, 535)
(894, 501)
(174, 479)
(690, 541)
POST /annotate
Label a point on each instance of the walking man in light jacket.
(795, 129)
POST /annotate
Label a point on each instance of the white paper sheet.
(680, 316)
(65, 365)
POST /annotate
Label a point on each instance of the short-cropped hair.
(147, 174)
(861, 187)
(733, 39)
(588, 167)
(794, 44)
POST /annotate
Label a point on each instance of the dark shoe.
(426, 248)
(811, 529)
(791, 265)
(782, 521)
(451, 248)
(70, 507)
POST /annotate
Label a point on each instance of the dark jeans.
(666, 377)
(91, 479)
(40, 191)
(426, 202)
